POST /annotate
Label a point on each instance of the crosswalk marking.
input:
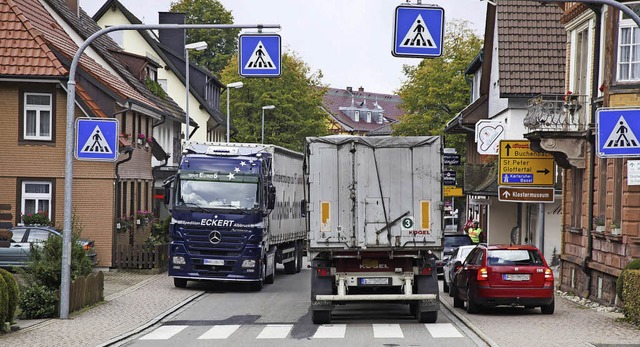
(275, 331)
(219, 332)
(381, 331)
(164, 332)
(330, 331)
(443, 330)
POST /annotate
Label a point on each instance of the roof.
(531, 48)
(335, 98)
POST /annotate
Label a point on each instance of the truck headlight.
(178, 260)
(249, 263)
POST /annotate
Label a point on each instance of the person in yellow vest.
(474, 232)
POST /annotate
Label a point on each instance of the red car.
(497, 275)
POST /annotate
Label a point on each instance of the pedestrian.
(468, 225)
(474, 232)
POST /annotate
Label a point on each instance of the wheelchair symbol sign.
(407, 223)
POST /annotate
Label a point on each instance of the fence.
(85, 291)
(141, 257)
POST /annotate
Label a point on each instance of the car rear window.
(456, 240)
(514, 257)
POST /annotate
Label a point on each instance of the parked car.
(17, 253)
(452, 264)
(451, 242)
(496, 275)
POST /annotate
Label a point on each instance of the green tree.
(297, 97)
(436, 90)
(221, 42)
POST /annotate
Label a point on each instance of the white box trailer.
(374, 219)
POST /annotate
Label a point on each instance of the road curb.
(151, 322)
(468, 323)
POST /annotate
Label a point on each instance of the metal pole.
(65, 280)
(228, 92)
(186, 69)
(262, 137)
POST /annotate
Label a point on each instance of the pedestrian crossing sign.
(617, 132)
(96, 139)
(259, 55)
(418, 31)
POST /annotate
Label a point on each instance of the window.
(356, 116)
(36, 197)
(629, 47)
(380, 118)
(368, 116)
(576, 202)
(580, 73)
(38, 235)
(152, 73)
(38, 108)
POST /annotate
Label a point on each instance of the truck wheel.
(180, 282)
(299, 256)
(428, 317)
(271, 278)
(321, 316)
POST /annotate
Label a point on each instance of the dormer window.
(356, 116)
(368, 116)
(380, 118)
(152, 73)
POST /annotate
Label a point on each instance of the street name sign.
(451, 191)
(526, 194)
(259, 55)
(418, 31)
(96, 139)
(519, 165)
(617, 132)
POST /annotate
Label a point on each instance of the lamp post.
(236, 85)
(269, 107)
(198, 46)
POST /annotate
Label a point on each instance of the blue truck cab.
(226, 223)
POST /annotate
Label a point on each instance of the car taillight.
(323, 272)
(548, 274)
(482, 274)
(426, 271)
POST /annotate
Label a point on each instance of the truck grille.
(231, 243)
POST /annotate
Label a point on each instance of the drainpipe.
(127, 150)
(592, 145)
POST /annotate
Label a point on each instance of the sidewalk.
(128, 306)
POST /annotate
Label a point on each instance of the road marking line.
(443, 330)
(275, 331)
(219, 332)
(330, 331)
(164, 332)
(382, 331)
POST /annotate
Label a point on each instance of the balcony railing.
(557, 112)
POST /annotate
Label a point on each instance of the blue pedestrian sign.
(617, 132)
(418, 31)
(96, 139)
(259, 55)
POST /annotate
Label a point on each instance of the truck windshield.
(214, 193)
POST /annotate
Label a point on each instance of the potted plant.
(599, 222)
(615, 228)
(142, 139)
(38, 218)
(5, 237)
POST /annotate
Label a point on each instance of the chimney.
(73, 6)
(349, 89)
(361, 89)
(172, 38)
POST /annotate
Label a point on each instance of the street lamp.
(270, 107)
(198, 46)
(236, 85)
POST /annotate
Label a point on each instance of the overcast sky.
(349, 40)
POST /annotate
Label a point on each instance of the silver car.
(451, 265)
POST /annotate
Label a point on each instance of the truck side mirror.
(167, 195)
(271, 198)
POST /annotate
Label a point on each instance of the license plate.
(517, 277)
(216, 262)
(380, 281)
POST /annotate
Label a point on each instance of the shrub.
(13, 292)
(633, 265)
(4, 300)
(38, 301)
(631, 292)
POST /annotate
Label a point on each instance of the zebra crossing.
(283, 331)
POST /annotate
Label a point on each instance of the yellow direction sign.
(521, 166)
(452, 191)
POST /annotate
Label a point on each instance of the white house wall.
(496, 104)
(502, 217)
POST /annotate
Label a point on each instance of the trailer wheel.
(299, 256)
(428, 317)
(290, 267)
(321, 316)
(179, 282)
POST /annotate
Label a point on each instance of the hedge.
(4, 300)
(14, 294)
(631, 293)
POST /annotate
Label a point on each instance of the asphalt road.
(232, 315)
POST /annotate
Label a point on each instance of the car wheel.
(445, 286)
(457, 302)
(548, 309)
(472, 307)
(452, 290)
